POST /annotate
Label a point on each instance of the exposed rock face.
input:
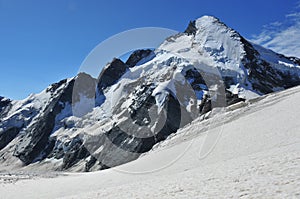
(122, 144)
(4, 104)
(11, 123)
(7, 135)
(36, 138)
(112, 73)
(137, 56)
(232, 98)
(263, 76)
(294, 59)
(191, 29)
(76, 152)
(36, 144)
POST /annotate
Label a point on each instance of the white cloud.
(282, 37)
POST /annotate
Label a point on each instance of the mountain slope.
(257, 155)
(85, 124)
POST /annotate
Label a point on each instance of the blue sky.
(43, 42)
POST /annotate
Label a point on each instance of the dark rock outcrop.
(36, 140)
(232, 98)
(263, 77)
(76, 153)
(128, 139)
(4, 104)
(11, 126)
(294, 59)
(137, 56)
(36, 137)
(111, 73)
(191, 29)
(7, 135)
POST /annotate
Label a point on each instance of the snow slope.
(257, 156)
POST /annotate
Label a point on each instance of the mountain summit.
(132, 106)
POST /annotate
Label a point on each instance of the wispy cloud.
(282, 36)
(298, 4)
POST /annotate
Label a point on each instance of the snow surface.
(257, 155)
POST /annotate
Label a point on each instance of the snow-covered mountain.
(256, 156)
(84, 124)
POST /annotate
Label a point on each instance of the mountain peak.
(208, 22)
(208, 18)
(200, 23)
